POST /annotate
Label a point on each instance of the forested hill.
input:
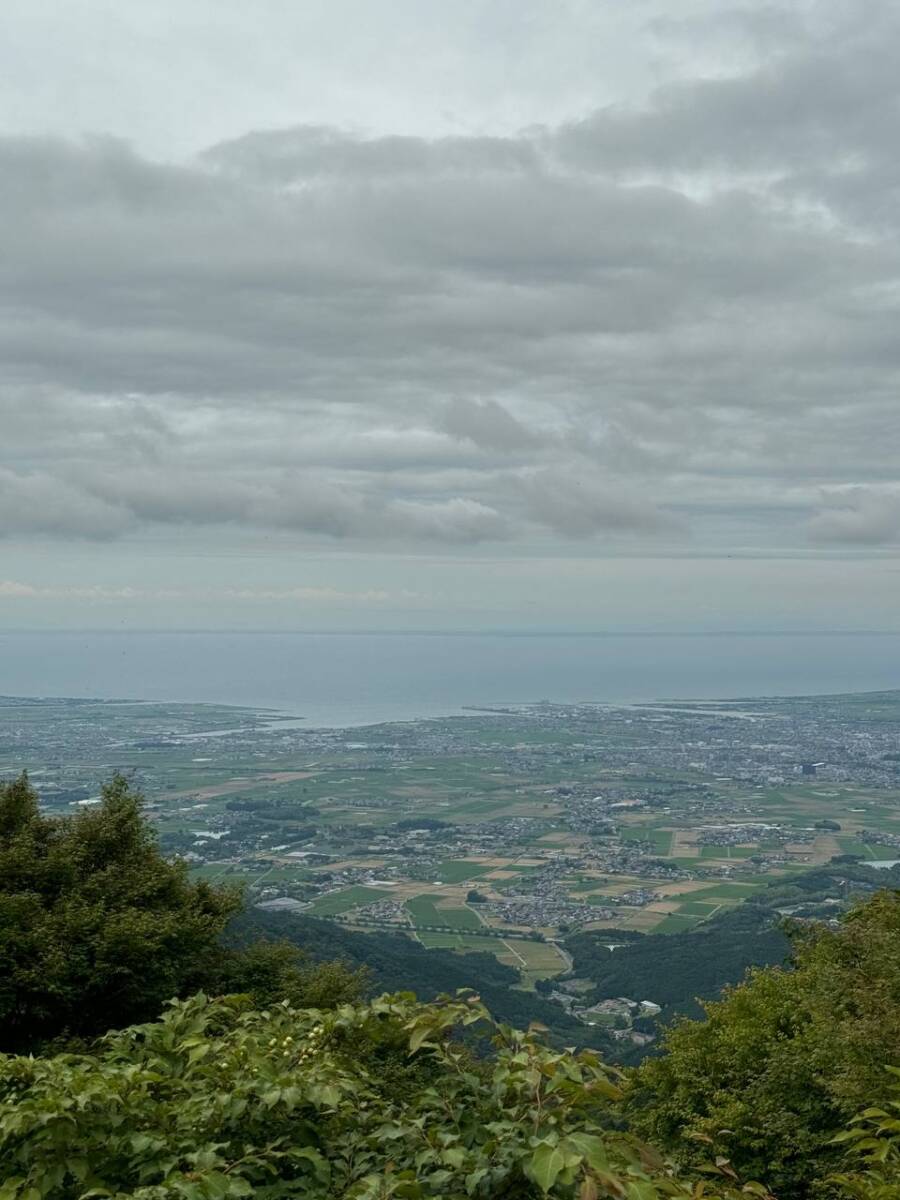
(677, 970)
(673, 970)
(394, 962)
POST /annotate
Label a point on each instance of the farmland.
(504, 832)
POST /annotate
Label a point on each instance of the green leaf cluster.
(216, 1101)
(874, 1137)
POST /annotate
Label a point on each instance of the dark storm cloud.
(687, 305)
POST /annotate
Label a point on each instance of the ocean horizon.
(350, 679)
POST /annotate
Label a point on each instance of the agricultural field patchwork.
(506, 831)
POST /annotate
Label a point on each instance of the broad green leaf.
(545, 1165)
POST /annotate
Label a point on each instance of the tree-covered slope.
(394, 962)
(679, 970)
(674, 969)
(781, 1062)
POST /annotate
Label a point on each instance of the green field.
(882, 853)
(676, 923)
(724, 892)
(458, 941)
(424, 911)
(333, 903)
(723, 852)
(661, 838)
(696, 908)
(542, 959)
(533, 960)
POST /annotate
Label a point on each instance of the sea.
(351, 679)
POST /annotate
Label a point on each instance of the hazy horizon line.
(511, 633)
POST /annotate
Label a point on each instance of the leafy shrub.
(786, 1059)
(361, 1103)
(874, 1136)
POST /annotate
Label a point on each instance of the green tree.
(272, 971)
(97, 929)
(786, 1058)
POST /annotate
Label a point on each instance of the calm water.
(349, 679)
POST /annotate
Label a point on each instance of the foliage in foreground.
(363, 1102)
(785, 1060)
(875, 1137)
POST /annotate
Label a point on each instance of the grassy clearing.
(851, 845)
(208, 872)
(542, 958)
(533, 960)
(661, 838)
(676, 923)
(469, 943)
(725, 852)
(881, 853)
(697, 908)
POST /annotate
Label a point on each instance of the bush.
(785, 1059)
(366, 1102)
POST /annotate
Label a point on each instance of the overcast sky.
(430, 314)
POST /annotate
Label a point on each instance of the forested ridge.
(394, 962)
(156, 1043)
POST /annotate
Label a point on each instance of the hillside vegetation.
(280, 1080)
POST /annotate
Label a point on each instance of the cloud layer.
(661, 324)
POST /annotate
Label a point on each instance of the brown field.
(239, 784)
(683, 844)
(639, 919)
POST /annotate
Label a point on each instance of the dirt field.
(239, 784)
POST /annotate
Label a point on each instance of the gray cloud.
(858, 517)
(38, 503)
(581, 507)
(667, 316)
(487, 424)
